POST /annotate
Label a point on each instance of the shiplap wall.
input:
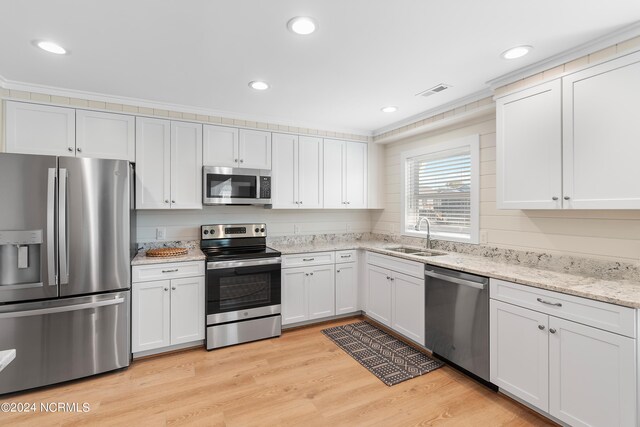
(185, 225)
(613, 235)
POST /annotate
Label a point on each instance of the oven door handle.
(219, 265)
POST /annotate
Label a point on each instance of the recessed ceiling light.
(302, 25)
(389, 109)
(516, 52)
(258, 85)
(51, 47)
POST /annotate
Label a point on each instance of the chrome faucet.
(417, 228)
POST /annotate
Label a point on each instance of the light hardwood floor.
(299, 379)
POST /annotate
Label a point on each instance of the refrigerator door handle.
(51, 200)
(62, 309)
(63, 248)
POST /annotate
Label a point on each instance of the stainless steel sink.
(404, 250)
(416, 252)
(428, 253)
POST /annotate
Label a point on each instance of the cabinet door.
(355, 175)
(40, 129)
(519, 352)
(105, 135)
(333, 174)
(153, 163)
(187, 310)
(601, 134)
(408, 307)
(255, 149)
(186, 165)
(220, 146)
(592, 376)
(379, 301)
(150, 312)
(346, 288)
(284, 171)
(294, 295)
(310, 172)
(529, 148)
(321, 297)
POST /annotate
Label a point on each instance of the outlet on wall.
(484, 236)
(161, 233)
(296, 229)
(349, 227)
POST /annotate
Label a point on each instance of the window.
(441, 184)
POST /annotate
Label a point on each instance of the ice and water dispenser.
(20, 253)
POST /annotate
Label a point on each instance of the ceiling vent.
(436, 89)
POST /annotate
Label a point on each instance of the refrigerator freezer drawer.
(64, 339)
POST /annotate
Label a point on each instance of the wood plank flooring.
(299, 379)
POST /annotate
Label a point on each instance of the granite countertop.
(619, 291)
(194, 254)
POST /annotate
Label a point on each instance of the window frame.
(471, 141)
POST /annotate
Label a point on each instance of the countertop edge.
(442, 262)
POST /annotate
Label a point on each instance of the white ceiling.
(365, 55)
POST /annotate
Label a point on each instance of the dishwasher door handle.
(455, 280)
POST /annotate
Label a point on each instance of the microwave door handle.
(62, 229)
(51, 226)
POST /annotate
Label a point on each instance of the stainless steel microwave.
(235, 186)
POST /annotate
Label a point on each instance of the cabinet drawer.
(602, 315)
(346, 256)
(412, 268)
(175, 270)
(313, 258)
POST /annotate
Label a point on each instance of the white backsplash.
(185, 225)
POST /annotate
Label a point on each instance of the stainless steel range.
(243, 284)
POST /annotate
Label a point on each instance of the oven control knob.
(257, 230)
(262, 230)
(206, 231)
(246, 313)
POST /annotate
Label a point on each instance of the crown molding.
(137, 102)
(476, 96)
(607, 40)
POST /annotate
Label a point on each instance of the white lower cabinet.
(167, 312)
(592, 375)
(346, 288)
(407, 313)
(396, 299)
(579, 374)
(379, 301)
(308, 293)
(151, 316)
(519, 352)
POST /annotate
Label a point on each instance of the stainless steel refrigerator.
(65, 252)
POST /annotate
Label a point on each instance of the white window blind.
(438, 187)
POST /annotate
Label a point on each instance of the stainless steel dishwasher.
(457, 318)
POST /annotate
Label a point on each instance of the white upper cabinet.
(333, 162)
(529, 148)
(169, 164)
(153, 166)
(355, 175)
(236, 148)
(220, 146)
(572, 144)
(296, 172)
(601, 144)
(310, 172)
(105, 135)
(345, 174)
(186, 165)
(40, 129)
(254, 149)
(284, 173)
